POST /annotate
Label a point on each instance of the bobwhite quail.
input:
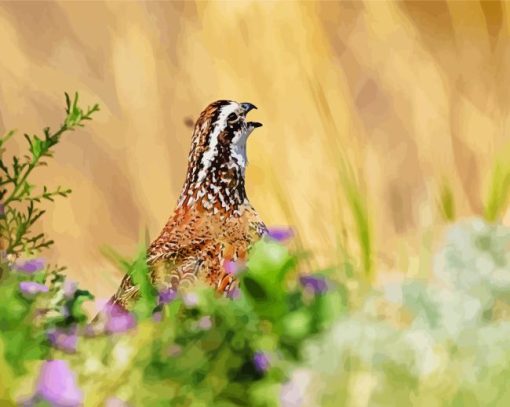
(214, 223)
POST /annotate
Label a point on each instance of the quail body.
(214, 222)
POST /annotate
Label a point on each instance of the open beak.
(248, 107)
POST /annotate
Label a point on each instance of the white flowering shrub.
(443, 342)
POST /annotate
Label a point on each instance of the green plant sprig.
(15, 187)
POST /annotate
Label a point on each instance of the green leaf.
(80, 297)
(296, 325)
(141, 277)
(36, 147)
(499, 191)
(18, 187)
(447, 202)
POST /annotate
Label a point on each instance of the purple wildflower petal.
(316, 284)
(57, 384)
(205, 323)
(115, 402)
(280, 234)
(174, 351)
(64, 340)
(31, 288)
(101, 304)
(29, 266)
(233, 267)
(190, 300)
(118, 319)
(69, 288)
(92, 330)
(261, 362)
(234, 293)
(167, 296)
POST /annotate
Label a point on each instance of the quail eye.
(232, 118)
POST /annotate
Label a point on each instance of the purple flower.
(29, 266)
(205, 323)
(233, 267)
(234, 293)
(190, 300)
(118, 319)
(115, 402)
(57, 385)
(316, 284)
(280, 234)
(167, 296)
(31, 288)
(69, 288)
(100, 304)
(64, 340)
(174, 351)
(261, 362)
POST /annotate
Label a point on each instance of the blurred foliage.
(447, 202)
(356, 201)
(432, 344)
(499, 190)
(200, 349)
(289, 341)
(289, 338)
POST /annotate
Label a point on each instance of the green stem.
(12, 197)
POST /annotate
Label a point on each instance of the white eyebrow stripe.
(211, 152)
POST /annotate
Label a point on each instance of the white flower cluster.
(446, 342)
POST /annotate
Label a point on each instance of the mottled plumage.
(214, 222)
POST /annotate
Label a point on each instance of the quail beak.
(248, 107)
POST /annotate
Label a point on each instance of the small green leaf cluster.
(20, 200)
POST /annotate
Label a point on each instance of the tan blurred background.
(411, 94)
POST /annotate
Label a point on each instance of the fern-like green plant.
(19, 199)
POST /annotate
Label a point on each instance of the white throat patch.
(212, 151)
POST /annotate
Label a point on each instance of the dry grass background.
(411, 95)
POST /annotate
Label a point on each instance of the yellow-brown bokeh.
(413, 95)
